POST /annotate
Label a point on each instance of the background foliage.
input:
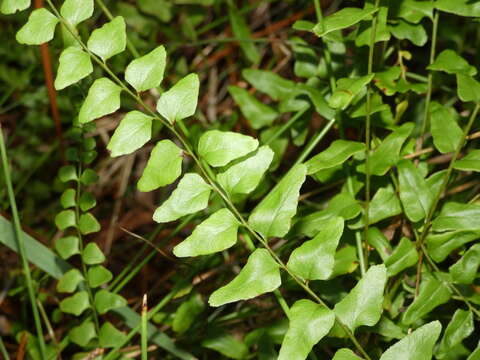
(263, 179)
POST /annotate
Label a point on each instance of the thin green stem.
(368, 131)
(326, 51)
(21, 246)
(282, 302)
(285, 126)
(49, 327)
(426, 115)
(314, 142)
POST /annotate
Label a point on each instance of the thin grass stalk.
(368, 130)
(166, 299)
(426, 115)
(144, 330)
(21, 246)
(3, 350)
(314, 142)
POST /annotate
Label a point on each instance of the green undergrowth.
(318, 204)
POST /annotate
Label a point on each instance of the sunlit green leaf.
(273, 215)
(412, 10)
(39, 29)
(380, 243)
(146, 73)
(180, 101)
(459, 328)
(403, 256)
(447, 135)
(88, 224)
(416, 346)
(441, 245)
(309, 323)
(244, 177)
(475, 355)
(98, 275)
(347, 89)
(317, 99)
(74, 65)
(76, 11)
(432, 294)
(83, 333)
(260, 274)
(87, 201)
(69, 281)
(106, 301)
(89, 177)
(68, 198)
(471, 162)
(217, 233)
(342, 204)
(109, 336)
(218, 148)
(386, 80)
(337, 153)
(452, 63)
(389, 329)
(457, 216)
(383, 205)
(345, 354)
(102, 99)
(465, 270)
(67, 173)
(459, 7)
(67, 246)
(342, 19)
(109, 40)
(414, 32)
(346, 261)
(190, 196)
(92, 254)
(163, 167)
(314, 259)
(415, 195)
(65, 219)
(75, 304)
(382, 33)
(364, 304)
(387, 154)
(134, 131)
(468, 88)
(12, 6)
